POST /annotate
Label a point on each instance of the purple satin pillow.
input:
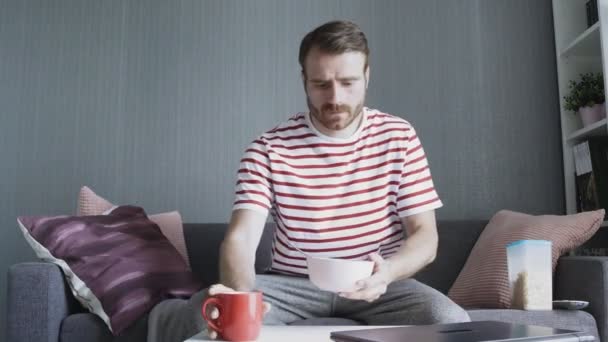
(118, 265)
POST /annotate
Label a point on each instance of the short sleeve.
(254, 185)
(416, 189)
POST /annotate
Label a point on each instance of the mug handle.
(218, 305)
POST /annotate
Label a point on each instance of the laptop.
(462, 332)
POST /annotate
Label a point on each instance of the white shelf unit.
(595, 129)
(585, 44)
(579, 49)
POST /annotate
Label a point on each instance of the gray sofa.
(41, 308)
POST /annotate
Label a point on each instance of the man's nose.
(335, 94)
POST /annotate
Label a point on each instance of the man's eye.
(322, 85)
(347, 84)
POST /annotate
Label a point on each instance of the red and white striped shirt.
(336, 197)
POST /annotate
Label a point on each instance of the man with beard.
(341, 181)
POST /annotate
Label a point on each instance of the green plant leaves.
(586, 92)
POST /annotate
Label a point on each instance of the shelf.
(587, 44)
(595, 129)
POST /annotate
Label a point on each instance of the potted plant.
(587, 98)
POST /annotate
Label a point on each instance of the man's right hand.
(214, 312)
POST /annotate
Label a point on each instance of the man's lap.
(295, 298)
(405, 302)
(292, 298)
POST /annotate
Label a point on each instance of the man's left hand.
(372, 288)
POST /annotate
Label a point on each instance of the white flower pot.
(592, 114)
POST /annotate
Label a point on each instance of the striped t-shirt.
(336, 197)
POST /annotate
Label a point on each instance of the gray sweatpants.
(406, 302)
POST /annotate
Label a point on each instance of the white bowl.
(337, 275)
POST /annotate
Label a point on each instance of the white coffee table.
(295, 333)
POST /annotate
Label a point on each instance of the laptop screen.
(457, 332)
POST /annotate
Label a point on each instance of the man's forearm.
(237, 269)
(417, 251)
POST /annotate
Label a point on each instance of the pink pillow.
(170, 223)
(483, 282)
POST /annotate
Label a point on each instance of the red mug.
(241, 315)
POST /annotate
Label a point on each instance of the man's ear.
(303, 76)
(366, 77)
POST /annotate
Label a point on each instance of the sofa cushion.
(577, 320)
(484, 281)
(203, 241)
(170, 223)
(118, 265)
(88, 327)
(456, 239)
(84, 327)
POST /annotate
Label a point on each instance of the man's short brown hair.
(334, 37)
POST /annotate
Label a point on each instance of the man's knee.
(176, 319)
(443, 310)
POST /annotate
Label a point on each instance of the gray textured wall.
(153, 102)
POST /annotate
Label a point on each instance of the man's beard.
(323, 115)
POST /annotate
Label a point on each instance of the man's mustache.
(332, 108)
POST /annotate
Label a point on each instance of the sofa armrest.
(38, 299)
(585, 278)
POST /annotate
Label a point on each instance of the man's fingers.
(371, 291)
(371, 288)
(212, 334)
(267, 307)
(375, 257)
(378, 261)
(363, 284)
(219, 288)
(215, 313)
(373, 299)
(373, 281)
(364, 295)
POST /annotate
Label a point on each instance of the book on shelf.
(591, 174)
(592, 15)
(591, 182)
